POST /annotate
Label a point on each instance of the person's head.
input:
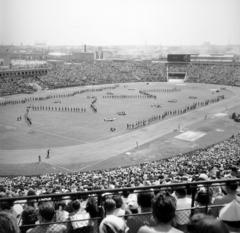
(8, 224)
(92, 207)
(29, 215)
(200, 223)
(234, 171)
(181, 192)
(203, 197)
(60, 205)
(109, 205)
(144, 199)
(46, 211)
(5, 205)
(118, 200)
(231, 186)
(76, 205)
(31, 192)
(164, 207)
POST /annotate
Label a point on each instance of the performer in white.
(27, 118)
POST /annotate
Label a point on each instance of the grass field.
(84, 140)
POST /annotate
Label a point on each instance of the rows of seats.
(224, 74)
(103, 72)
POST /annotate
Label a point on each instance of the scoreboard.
(178, 58)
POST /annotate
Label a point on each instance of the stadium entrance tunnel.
(176, 77)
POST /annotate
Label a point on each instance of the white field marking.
(180, 84)
(190, 136)
(219, 130)
(220, 114)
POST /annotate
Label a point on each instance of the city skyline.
(119, 22)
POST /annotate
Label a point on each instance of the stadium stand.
(103, 72)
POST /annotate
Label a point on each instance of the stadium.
(137, 131)
(75, 136)
(81, 128)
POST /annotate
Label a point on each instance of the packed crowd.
(171, 209)
(148, 211)
(102, 72)
(16, 85)
(216, 74)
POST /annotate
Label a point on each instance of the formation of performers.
(93, 107)
(163, 90)
(54, 95)
(58, 109)
(174, 112)
(147, 94)
(129, 97)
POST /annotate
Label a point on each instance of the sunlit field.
(66, 131)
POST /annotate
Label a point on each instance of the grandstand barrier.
(192, 188)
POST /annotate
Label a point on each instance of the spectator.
(144, 200)
(79, 218)
(183, 202)
(46, 214)
(120, 211)
(231, 194)
(203, 200)
(29, 217)
(208, 224)
(8, 223)
(61, 214)
(94, 212)
(112, 223)
(164, 207)
(230, 214)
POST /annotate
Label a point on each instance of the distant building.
(99, 54)
(78, 57)
(212, 58)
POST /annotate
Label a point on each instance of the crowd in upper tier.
(103, 72)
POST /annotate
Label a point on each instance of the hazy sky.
(119, 22)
